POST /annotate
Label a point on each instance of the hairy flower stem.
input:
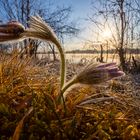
(63, 64)
(35, 34)
(65, 87)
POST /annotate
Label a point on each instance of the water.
(76, 58)
(83, 57)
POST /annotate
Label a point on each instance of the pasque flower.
(11, 31)
(91, 74)
(41, 30)
(94, 74)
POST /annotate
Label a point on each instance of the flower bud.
(11, 31)
(96, 74)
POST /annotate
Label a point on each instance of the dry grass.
(89, 113)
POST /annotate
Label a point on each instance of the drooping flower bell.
(11, 31)
(41, 30)
(94, 74)
(15, 31)
(98, 73)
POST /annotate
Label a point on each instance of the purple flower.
(98, 73)
(11, 31)
(94, 74)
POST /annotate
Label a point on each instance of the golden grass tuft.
(91, 112)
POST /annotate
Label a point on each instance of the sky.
(80, 7)
(80, 11)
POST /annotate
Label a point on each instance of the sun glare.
(107, 34)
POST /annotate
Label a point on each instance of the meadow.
(29, 108)
(40, 102)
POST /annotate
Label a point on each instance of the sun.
(107, 34)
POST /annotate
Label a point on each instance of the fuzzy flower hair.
(11, 31)
(40, 30)
(96, 74)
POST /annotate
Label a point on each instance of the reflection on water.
(77, 58)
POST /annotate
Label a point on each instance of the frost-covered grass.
(29, 107)
(38, 105)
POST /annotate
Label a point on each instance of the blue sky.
(80, 11)
(80, 7)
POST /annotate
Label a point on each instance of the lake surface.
(76, 58)
(83, 57)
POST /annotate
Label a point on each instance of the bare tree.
(21, 10)
(121, 17)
